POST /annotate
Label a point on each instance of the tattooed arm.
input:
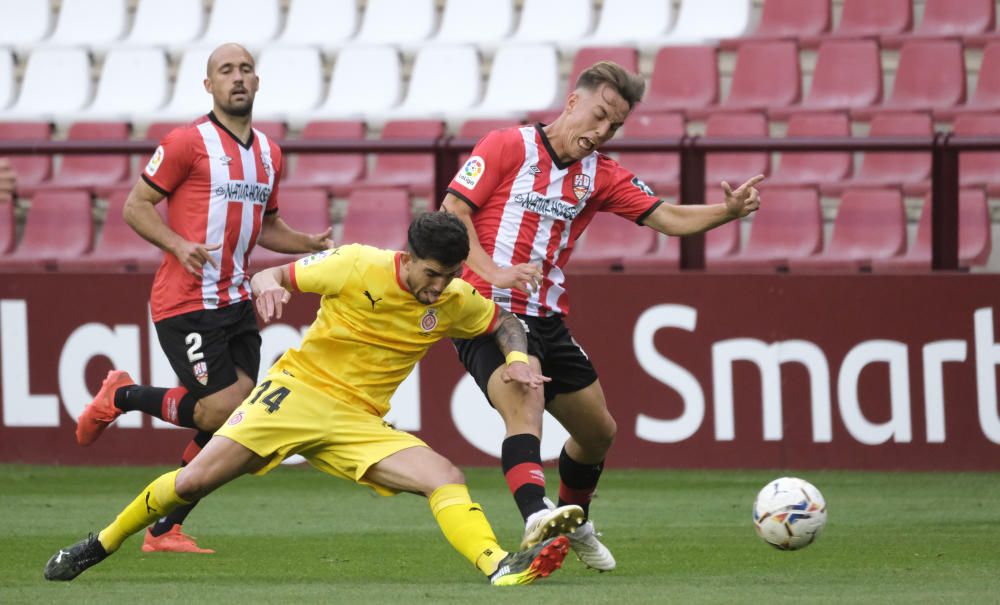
(513, 343)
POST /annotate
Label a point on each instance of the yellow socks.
(158, 499)
(465, 527)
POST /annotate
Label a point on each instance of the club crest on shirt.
(200, 371)
(265, 159)
(429, 321)
(155, 161)
(581, 186)
(469, 175)
(235, 419)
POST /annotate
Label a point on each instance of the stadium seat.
(683, 78)
(8, 88)
(719, 242)
(911, 170)
(89, 22)
(377, 217)
(291, 82)
(306, 210)
(813, 168)
(949, 18)
(404, 23)
(324, 24)
(536, 88)
(332, 172)
(31, 169)
(43, 95)
(120, 248)
(253, 23)
(96, 173)
(848, 75)
(272, 129)
(661, 169)
(539, 19)
(189, 99)
(870, 224)
(735, 168)
(413, 171)
(171, 24)
(133, 80)
(24, 24)
(6, 224)
(478, 128)
(986, 96)
(486, 26)
(974, 238)
(979, 168)
(608, 240)
(918, 88)
(867, 19)
(766, 75)
(57, 226)
(627, 57)
(787, 19)
(705, 21)
(436, 68)
(792, 227)
(365, 79)
(618, 25)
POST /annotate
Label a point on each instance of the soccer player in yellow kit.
(380, 312)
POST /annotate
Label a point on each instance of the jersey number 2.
(273, 399)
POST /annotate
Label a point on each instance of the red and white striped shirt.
(529, 208)
(218, 191)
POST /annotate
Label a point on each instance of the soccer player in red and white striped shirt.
(220, 177)
(526, 194)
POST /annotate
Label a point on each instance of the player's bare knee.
(189, 484)
(447, 475)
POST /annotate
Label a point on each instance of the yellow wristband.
(516, 356)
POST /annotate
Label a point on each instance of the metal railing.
(944, 149)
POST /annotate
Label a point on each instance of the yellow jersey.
(370, 330)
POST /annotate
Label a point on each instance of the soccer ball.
(789, 513)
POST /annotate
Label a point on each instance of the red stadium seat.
(813, 168)
(986, 97)
(684, 77)
(867, 19)
(120, 248)
(792, 227)
(58, 226)
(734, 167)
(31, 170)
(911, 170)
(974, 237)
(627, 57)
(545, 116)
(949, 18)
(377, 217)
(870, 224)
(478, 128)
(93, 172)
(333, 172)
(788, 19)
(931, 75)
(608, 240)
(273, 129)
(306, 210)
(720, 242)
(6, 224)
(413, 171)
(766, 75)
(979, 168)
(660, 170)
(848, 75)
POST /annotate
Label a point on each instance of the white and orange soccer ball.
(789, 513)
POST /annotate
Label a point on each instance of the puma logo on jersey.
(370, 298)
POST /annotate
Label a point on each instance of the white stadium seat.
(514, 89)
(252, 23)
(24, 22)
(554, 20)
(89, 22)
(487, 26)
(323, 23)
(189, 99)
(6, 77)
(291, 81)
(618, 23)
(365, 79)
(56, 81)
(701, 21)
(445, 79)
(168, 23)
(400, 22)
(133, 80)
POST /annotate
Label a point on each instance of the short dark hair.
(629, 85)
(439, 236)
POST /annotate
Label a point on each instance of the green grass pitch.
(298, 536)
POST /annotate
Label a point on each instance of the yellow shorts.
(283, 416)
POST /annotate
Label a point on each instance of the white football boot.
(550, 522)
(589, 549)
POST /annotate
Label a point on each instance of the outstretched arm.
(513, 342)
(275, 234)
(682, 220)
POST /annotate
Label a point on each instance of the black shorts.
(549, 340)
(205, 347)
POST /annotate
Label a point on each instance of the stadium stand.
(486, 26)
(536, 87)
(400, 22)
(575, 19)
(617, 24)
(31, 170)
(7, 225)
(979, 168)
(683, 78)
(89, 23)
(58, 226)
(413, 171)
(364, 79)
(986, 96)
(95, 173)
(333, 172)
(949, 19)
(703, 21)
(43, 96)
(848, 75)
(454, 68)
(660, 171)
(188, 99)
(24, 24)
(918, 88)
(788, 19)
(735, 167)
(626, 56)
(169, 24)
(292, 82)
(813, 168)
(377, 217)
(307, 210)
(767, 75)
(7, 83)
(119, 247)
(867, 19)
(253, 22)
(132, 80)
(608, 241)
(325, 24)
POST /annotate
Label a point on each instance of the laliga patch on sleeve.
(155, 161)
(469, 175)
(642, 186)
(315, 258)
